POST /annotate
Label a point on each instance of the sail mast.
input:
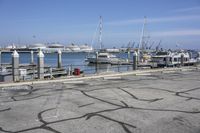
(100, 32)
(141, 44)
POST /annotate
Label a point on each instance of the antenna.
(100, 31)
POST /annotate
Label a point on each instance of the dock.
(119, 103)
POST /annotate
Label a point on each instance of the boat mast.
(141, 44)
(100, 32)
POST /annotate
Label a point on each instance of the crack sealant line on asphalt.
(91, 77)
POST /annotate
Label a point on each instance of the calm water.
(74, 59)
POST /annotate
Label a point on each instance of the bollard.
(135, 60)
(15, 66)
(40, 65)
(32, 57)
(59, 59)
(182, 59)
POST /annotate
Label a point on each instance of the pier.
(123, 102)
(38, 70)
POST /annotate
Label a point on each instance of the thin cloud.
(125, 22)
(155, 20)
(177, 33)
(170, 33)
(189, 9)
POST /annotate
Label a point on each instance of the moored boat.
(105, 58)
(168, 58)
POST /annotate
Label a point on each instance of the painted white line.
(107, 78)
(143, 74)
(72, 82)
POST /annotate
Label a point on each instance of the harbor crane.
(158, 46)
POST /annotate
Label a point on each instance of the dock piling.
(59, 58)
(32, 57)
(167, 61)
(135, 60)
(68, 71)
(40, 65)
(0, 58)
(129, 55)
(182, 60)
(15, 66)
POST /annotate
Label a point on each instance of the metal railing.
(30, 71)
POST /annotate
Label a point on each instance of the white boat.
(54, 47)
(167, 58)
(86, 48)
(67, 50)
(13, 46)
(37, 46)
(105, 58)
(113, 50)
(73, 47)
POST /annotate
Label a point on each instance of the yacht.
(73, 47)
(86, 48)
(54, 47)
(105, 58)
(168, 58)
(37, 46)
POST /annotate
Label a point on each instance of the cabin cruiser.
(105, 58)
(168, 58)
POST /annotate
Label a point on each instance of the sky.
(176, 23)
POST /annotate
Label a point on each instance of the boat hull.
(106, 61)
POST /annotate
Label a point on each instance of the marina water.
(75, 60)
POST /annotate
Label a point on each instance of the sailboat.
(103, 57)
